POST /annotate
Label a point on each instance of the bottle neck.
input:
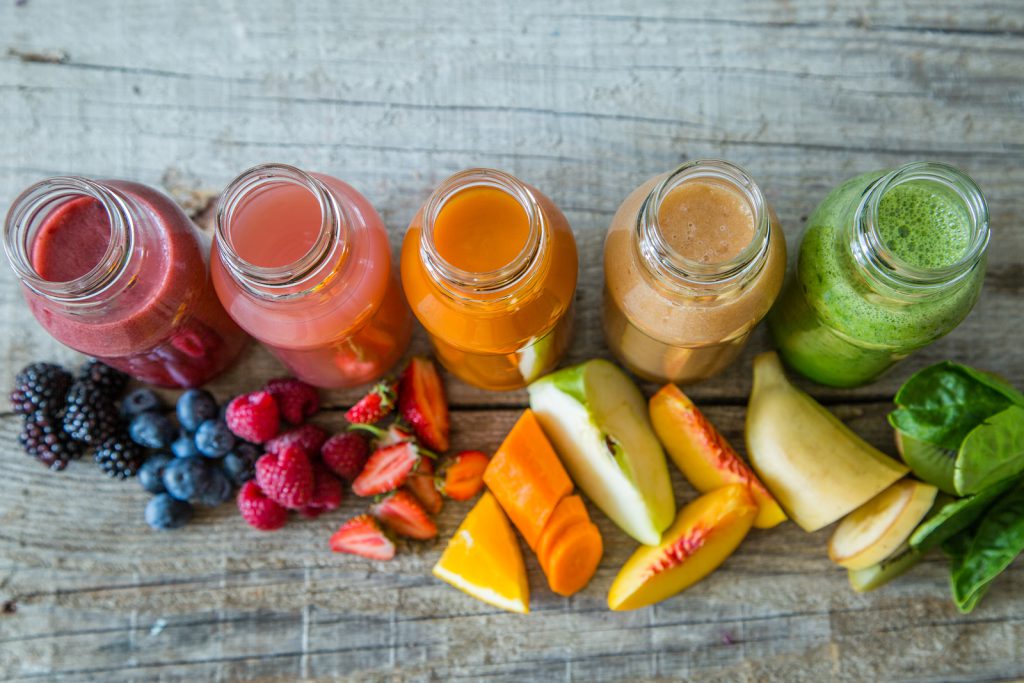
(502, 283)
(308, 273)
(679, 274)
(882, 268)
(29, 214)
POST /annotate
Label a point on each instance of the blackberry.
(119, 457)
(91, 415)
(112, 382)
(40, 387)
(43, 437)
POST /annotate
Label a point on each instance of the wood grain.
(585, 102)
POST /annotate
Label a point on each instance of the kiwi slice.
(931, 463)
(897, 564)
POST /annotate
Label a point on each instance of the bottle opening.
(923, 224)
(68, 237)
(481, 230)
(276, 225)
(705, 223)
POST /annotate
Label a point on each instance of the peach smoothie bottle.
(693, 261)
(301, 261)
(489, 268)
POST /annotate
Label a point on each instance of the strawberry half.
(387, 469)
(422, 404)
(421, 484)
(375, 406)
(404, 515)
(464, 475)
(363, 536)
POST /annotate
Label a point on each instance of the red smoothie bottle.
(116, 270)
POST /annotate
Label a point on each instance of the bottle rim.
(280, 282)
(870, 248)
(492, 282)
(686, 272)
(35, 204)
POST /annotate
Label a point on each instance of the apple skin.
(703, 455)
(703, 536)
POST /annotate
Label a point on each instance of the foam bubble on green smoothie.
(924, 224)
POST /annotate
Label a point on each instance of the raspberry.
(258, 510)
(327, 492)
(297, 400)
(253, 417)
(308, 437)
(286, 477)
(346, 454)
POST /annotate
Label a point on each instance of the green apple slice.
(597, 420)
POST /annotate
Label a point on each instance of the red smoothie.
(116, 270)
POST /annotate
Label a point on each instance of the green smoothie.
(837, 321)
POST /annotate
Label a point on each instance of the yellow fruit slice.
(876, 529)
(483, 559)
(704, 534)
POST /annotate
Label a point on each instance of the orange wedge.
(483, 559)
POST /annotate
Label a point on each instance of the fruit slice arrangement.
(535, 491)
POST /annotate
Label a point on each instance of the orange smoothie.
(693, 261)
(489, 268)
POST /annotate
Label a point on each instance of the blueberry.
(214, 439)
(195, 407)
(184, 446)
(151, 474)
(140, 401)
(216, 488)
(186, 478)
(165, 512)
(152, 430)
(240, 464)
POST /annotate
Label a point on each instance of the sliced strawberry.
(363, 536)
(404, 515)
(375, 406)
(422, 404)
(387, 469)
(422, 485)
(463, 475)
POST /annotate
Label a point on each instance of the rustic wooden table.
(585, 104)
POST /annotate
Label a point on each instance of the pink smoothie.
(345, 324)
(158, 320)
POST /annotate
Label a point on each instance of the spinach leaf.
(955, 515)
(992, 451)
(982, 556)
(943, 403)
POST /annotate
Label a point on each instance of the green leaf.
(980, 557)
(943, 403)
(992, 451)
(954, 516)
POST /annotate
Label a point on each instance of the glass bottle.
(116, 270)
(693, 260)
(489, 268)
(302, 262)
(889, 262)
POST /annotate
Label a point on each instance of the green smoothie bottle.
(890, 261)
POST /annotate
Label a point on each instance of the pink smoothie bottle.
(116, 270)
(301, 261)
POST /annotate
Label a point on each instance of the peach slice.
(704, 534)
(702, 453)
(876, 529)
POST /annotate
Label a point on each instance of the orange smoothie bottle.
(302, 263)
(489, 268)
